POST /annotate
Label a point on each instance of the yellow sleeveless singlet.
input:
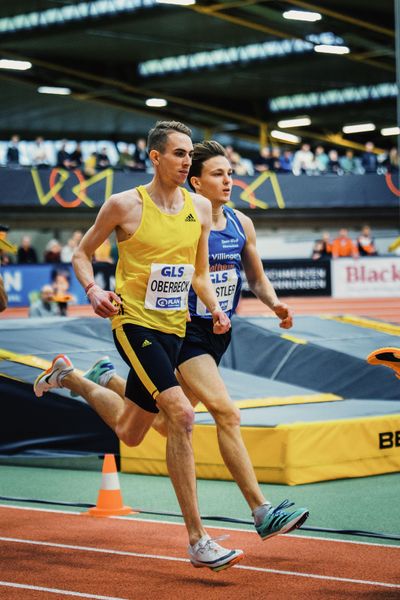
(155, 267)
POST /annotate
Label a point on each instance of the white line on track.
(177, 559)
(24, 586)
(134, 518)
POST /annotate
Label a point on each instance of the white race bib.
(225, 284)
(168, 287)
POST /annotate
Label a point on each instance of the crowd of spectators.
(92, 157)
(55, 252)
(343, 246)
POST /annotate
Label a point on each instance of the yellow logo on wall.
(58, 179)
(248, 191)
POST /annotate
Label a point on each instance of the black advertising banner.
(58, 188)
(297, 277)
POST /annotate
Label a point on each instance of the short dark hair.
(158, 135)
(202, 152)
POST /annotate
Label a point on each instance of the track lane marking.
(133, 518)
(24, 586)
(186, 560)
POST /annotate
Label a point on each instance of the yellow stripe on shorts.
(135, 362)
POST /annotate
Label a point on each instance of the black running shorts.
(152, 357)
(200, 339)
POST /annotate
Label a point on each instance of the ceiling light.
(295, 122)
(358, 128)
(58, 91)
(177, 2)
(285, 137)
(327, 49)
(330, 97)
(17, 65)
(302, 15)
(156, 102)
(390, 131)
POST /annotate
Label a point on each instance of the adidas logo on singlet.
(190, 218)
(146, 343)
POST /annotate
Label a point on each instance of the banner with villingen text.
(371, 277)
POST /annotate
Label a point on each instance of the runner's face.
(215, 181)
(175, 161)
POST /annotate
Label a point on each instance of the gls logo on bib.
(172, 271)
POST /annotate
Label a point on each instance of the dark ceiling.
(98, 57)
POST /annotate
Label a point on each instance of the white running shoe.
(207, 553)
(52, 378)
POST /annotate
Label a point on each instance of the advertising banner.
(297, 277)
(371, 277)
(72, 190)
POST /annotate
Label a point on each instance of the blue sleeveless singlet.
(224, 253)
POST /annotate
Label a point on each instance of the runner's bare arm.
(108, 219)
(258, 281)
(201, 281)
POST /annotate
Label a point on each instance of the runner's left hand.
(222, 322)
(283, 313)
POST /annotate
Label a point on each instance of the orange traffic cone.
(109, 500)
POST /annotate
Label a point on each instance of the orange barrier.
(109, 500)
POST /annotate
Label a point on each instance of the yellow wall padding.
(287, 454)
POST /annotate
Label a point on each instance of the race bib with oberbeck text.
(224, 284)
(168, 287)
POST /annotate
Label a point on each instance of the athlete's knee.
(227, 416)
(178, 410)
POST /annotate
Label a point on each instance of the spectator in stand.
(393, 160)
(140, 156)
(63, 157)
(322, 248)
(369, 159)
(348, 163)
(76, 158)
(61, 279)
(3, 296)
(12, 156)
(102, 160)
(89, 167)
(68, 250)
(52, 252)
(238, 165)
(286, 162)
(343, 246)
(321, 160)
(303, 161)
(229, 151)
(125, 159)
(365, 242)
(45, 306)
(334, 165)
(264, 161)
(275, 159)
(39, 158)
(26, 254)
(5, 247)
